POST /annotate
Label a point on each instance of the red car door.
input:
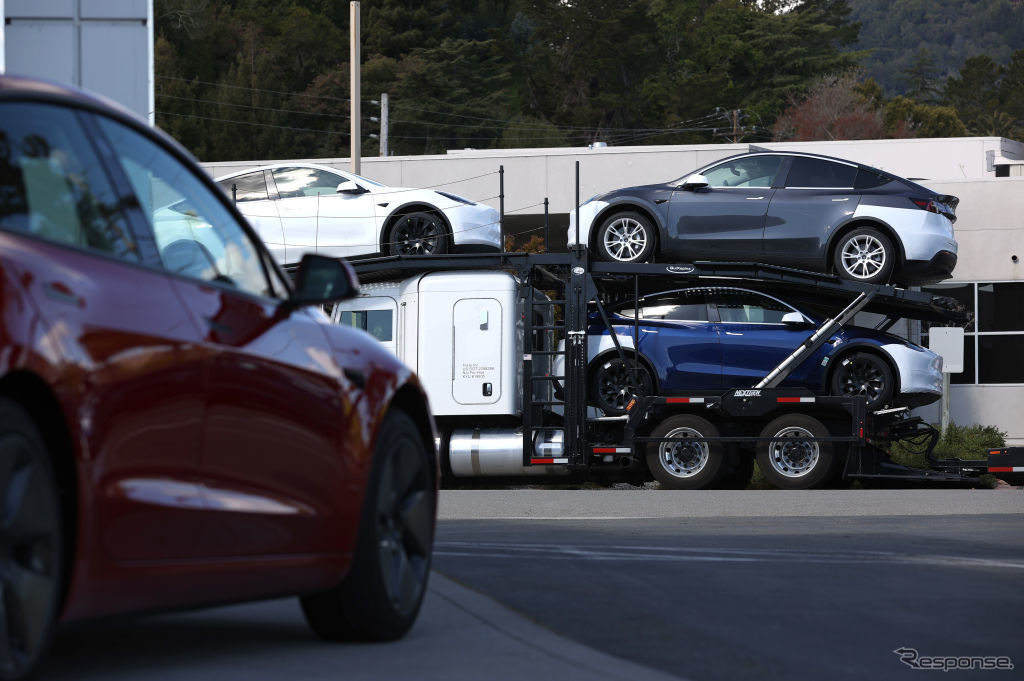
(277, 405)
(126, 359)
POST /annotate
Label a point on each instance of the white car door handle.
(837, 200)
(732, 333)
(754, 198)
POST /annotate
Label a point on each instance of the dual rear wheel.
(789, 457)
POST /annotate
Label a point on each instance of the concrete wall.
(989, 228)
(101, 45)
(532, 174)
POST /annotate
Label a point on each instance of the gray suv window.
(750, 171)
(818, 173)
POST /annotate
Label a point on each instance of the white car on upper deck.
(302, 207)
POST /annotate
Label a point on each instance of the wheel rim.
(861, 377)
(791, 455)
(418, 234)
(625, 239)
(683, 459)
(405, 513)
(29, 555)
(863, 256)
(616, 387)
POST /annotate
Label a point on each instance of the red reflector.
(677, 400)
(604, 450)
(1000, 469)
(861, 433)
(787, 399)
(542, 460)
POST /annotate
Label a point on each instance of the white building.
(101, 45)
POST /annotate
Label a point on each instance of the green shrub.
(963, 442)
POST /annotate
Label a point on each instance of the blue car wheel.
(614, 385)
(863, 373)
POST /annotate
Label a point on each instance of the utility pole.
(383, 124)
(355, 136)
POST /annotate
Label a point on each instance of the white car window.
(296, 182)
(248, 187)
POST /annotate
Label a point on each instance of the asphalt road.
(642, 586)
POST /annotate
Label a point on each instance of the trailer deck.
(566, 432)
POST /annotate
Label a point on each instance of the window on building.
(994, 341)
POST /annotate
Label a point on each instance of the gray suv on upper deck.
(784, 208)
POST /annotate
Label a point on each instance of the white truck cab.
(462, 332)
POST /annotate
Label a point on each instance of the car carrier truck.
(500, 344)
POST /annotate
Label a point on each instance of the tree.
(920, 79)
(906, 118)
(834, 109)
(975, 91)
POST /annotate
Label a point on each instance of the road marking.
(716, 554)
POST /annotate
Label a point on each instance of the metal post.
(355, 136)
(577, 204)
(945, 402)
(234, 193)
(501, 204)
(547, 242)
(383, 124)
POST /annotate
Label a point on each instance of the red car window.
(52, 184)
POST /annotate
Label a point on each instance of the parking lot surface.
(640, 585)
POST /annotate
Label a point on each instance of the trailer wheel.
(686, 465)
(789, 461)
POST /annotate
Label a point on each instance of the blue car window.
(680, 306)
(744, 307)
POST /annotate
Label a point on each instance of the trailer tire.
(686, 465)
(789, 462)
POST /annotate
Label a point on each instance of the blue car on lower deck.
(711, 338)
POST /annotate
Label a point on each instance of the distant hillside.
(951, 31)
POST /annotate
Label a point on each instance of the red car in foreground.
(179, 426)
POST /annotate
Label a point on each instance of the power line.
(249, 106)
(260, 125)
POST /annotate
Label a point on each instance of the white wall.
(101, 45)
(532, 174)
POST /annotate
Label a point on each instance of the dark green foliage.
(962, 442)
(896, 31)
(266, 79)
